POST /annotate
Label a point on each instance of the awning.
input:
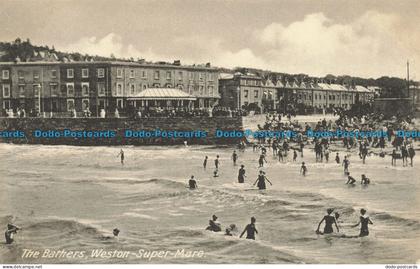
(162, 94)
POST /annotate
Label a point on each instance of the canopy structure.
(162, 94)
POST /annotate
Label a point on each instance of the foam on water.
(72, 197)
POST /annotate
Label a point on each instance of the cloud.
(369, 46)
(109, 44)
(372, 45)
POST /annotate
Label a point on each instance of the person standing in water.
(411, 154)
(261, 161)
(205, 162)
(121, 155)
(364, 222)
(261, 181)
(250, 230)
(303, 169)
(346, 164)
(217, 162)
(11, 230)
(241, 174)
(294, 155)
(329, 221)
(192, 183)
(337, 158)
(234, 157)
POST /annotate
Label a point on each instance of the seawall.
(119, 126)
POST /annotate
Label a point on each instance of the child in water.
(303, 169)
(230, 230)
(350, 179)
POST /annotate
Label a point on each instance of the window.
(256, 93)
(191, 75)
(37, 90)
(53, 73)
(54, 105)
(6, 104)
(101, 89)
(6, 90)
(144, 86)
(168, 75)
(101, 72)
(210, 76)
(132, 89)
(101, 104)
(70, 89)
(119, 103)
(246, 93)
(85, 73)
(200, 76)
(143, 74)
(119, 73)
(211, 92)
(70, 73)
(54, 89)
(180, 75)
(190, 89)
(119, 89)
(36, 75)
(21, 74)
(85, 104)
(21, 90)
(70, 104)
(157, 75)
(180, 87)
(201, 89)
(85, 89)
(168, 85)
(132, 74)
(5, 74)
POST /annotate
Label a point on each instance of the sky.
(317, 37)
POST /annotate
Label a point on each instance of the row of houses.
(242, 90)
(61, 87)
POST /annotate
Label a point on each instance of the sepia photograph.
(210, 132)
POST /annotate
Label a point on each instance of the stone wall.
(393, 106)
(29, 125)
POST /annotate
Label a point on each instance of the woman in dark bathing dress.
(261, 181)
(329, 221)
(364, 222)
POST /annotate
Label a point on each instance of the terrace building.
(60, 87)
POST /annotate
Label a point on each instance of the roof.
(225, 76)
(112, 63)
(162, 94)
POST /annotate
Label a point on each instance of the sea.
(67, 200)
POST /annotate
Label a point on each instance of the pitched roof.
(162, 94)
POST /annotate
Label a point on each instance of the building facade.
(235, 93)
(61, 87)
